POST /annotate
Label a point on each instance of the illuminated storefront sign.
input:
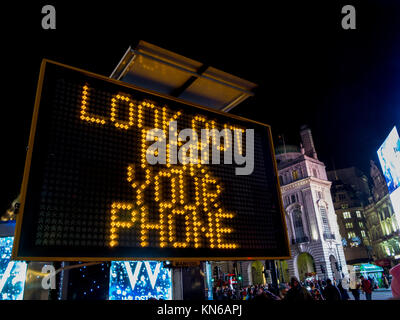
(12, 273)
(139, 280)
(89, 191)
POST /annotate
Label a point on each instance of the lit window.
(325, 222)
(298, 223)
(358, 214)
(351, 234)
(363, 233)
(361, 225)
(295, 175)
(346, 215)
(349, 225)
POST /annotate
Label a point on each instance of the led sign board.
(91, 190)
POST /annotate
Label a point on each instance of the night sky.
(344, 84)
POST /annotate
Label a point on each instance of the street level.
(383, 294)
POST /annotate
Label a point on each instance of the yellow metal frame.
(14, 255)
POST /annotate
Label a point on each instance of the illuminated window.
(349, 225)
(295, 175)
(358, 213)
(298, 223)
(361, 224)
(325, 222)
(351, 234)
(346, 215)
(363, 233)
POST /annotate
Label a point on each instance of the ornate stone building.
(381, 222)
(316, 245)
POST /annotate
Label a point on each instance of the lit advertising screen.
(116, 172)
(12, 273)
(139, 280)
(389, 157)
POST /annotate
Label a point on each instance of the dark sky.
(345, 84)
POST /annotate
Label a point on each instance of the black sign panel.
(90, 191)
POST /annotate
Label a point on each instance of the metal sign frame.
(20, 217)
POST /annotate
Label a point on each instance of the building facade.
(316, 245)
(381, 223)
(350, 193)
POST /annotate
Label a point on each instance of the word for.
(157, 152)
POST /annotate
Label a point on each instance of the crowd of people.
(310, 290)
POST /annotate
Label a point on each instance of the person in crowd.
(343, 292)
(297, 292)
(366, 287)
(218, 293)
(331, 292)
(243, 293)
(315, 292)
(354, 287)
(385, 281)
(373, 283)
(395, 272)
(283, 289)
